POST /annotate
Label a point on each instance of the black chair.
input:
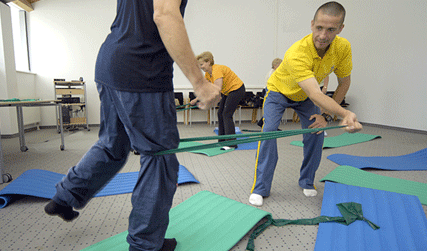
(249, 101)
(180, 97)
(189, 118)
(259, 97)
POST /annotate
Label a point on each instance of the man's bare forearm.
(175, 38)
(342, 89)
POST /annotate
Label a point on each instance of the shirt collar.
(313, 49)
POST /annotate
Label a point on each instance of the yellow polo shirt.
(230, 81)
(302, 62)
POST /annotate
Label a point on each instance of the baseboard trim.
(395, 128)
(14, 135)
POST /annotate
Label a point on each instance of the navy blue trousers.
(145, 122)
(227, 107)
(266, 159)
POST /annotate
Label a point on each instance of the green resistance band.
(183, 107)
(247, 138)
(17, 100)
(350, 211)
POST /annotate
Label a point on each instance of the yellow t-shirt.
(302, 62)
(230, 81)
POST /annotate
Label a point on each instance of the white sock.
(325, 133)
(255, 199)
(309, 192)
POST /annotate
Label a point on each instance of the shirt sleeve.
(345, 66)
(299, 66)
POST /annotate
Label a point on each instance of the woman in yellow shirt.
(232, 91)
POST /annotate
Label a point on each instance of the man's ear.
(342, 27)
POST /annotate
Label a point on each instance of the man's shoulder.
(302, 44)
(340, 41)
(302, 49)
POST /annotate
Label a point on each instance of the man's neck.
(322, 53)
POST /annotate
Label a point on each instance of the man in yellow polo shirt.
(295, 84)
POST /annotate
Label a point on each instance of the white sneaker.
(225, 148)
(256, 199)
(310, 192)
(325, 133)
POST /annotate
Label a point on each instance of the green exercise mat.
(17, 100)
(355, 177)
(344, 139)
(205, 221)
(208, 152)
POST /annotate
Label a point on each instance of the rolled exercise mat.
(344, 139)
(355, 177)
(41, 183)
(205, 221)
(401, 218)
(409, 162)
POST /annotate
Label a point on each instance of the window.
(20, 41)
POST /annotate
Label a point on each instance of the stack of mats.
(344, 139)
(402, 221)
(393, 204)
(355, 177)
(206, 221)
(41, 183)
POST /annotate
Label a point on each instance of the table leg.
(61, 128)
(24, 148)
(1, 165)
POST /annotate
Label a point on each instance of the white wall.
(64, 38)
(27, 90)
(8, 86)
(388, 41)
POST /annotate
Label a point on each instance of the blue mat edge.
(19, 186)
(375, 161)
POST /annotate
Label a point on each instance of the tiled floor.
(24, 226)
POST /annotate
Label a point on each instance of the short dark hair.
(332, 9)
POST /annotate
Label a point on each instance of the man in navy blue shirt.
(133, 72)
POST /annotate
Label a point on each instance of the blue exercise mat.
(409, 162)
(41, 183)
(244, 146)
(401, 218)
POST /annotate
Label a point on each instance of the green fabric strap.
(17, 100)
(247, 138)
(350, 212)
(183, 107)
